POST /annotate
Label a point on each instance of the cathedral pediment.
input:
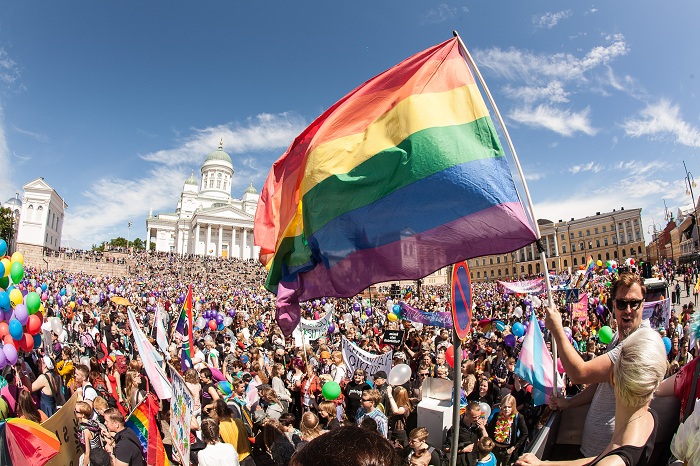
(225, 212)
(37, 185)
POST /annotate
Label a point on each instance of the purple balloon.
(357, 306)
(10, 354)
(600, 309)
(21, 313)
(80, 300)
(3, 359)
(368, 312)
(526, 302)
(219, 319)
(509, 340)
(331, 328)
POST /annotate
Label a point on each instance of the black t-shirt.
(127, 448)
(353, 397)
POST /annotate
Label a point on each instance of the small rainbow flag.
(590, 264)
(399, 178)
(142, 421)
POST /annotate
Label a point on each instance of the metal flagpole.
(540, 247)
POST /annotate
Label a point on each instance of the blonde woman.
(328, 414)
(636, 375)
(340, 371)
(134, 395)
(400, 410)
(508, 431)
(417, 443)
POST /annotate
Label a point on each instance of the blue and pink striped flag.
(535, 364)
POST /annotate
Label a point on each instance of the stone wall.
(74, 263)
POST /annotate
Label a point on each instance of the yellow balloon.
(41, 309)
(16, 297)
(392, 317)
(72, 304)
(6, 263)
(18, 257)
(599, 263)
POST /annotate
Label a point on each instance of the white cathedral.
(207, 220)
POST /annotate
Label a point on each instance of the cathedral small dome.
(251, 189)
(191, 180)
(13, 202)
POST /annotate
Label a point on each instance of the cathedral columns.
(221, 241)
(196, 239)
(178, 246)
(244, 244)
(206, 246)
(148, 239)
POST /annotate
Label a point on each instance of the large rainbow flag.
(401, 177)
(142, 421)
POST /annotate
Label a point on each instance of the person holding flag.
(628, 293)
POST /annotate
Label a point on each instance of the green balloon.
(33, 302)
(605, 335)
(16, 272)
(330, 390)
(4, 282)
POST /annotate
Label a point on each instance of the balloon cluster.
(395, 313)
(610, 267)
(21, 311)
(215, 320)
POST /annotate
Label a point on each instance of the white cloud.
(553, 92)
(111, 203)
(443, 12)
(663, 120)
(549, 20)
(262, 132)
(9, 71)
(36, 136)
(635, 167)
(563, 122)
(534, 176)
(586, 167)
(540, 69)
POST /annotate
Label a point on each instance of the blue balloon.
(667, 344)
(220, 327)
(44, 286)
(63, 291)
(37, 340)
(16, 331)
(518, 329)
(2, 269)
(3, 247)
(4, 300)
(396, 309)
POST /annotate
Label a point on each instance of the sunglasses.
(632, 303)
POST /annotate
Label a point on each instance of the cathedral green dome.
(251, 189)
(219, 154)
(191, 180)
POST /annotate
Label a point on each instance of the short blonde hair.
(419, 433)
(640, 368)
(510, 400)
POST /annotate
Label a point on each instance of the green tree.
(138, 243)
(7, 232)
(119, 242)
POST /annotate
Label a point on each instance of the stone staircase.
(100, 267)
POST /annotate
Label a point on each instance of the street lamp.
(690, 184)
(128, 236)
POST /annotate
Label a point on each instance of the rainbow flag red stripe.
(143, 422)
(401, 177)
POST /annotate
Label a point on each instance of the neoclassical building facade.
(207, 220)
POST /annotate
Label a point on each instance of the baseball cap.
(380, 375)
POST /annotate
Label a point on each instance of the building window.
(615, 253)
(483, 261)
(605, 241)
(498, 260)
(514, 271)
(590, 245)
(607, 256)
(563, 249)
(522, 269)
(605, 229)
(573, 247)
(624, 252)
(499, 272)
(572, 235)
(600, 257)
(581, 245)
(562, 237)
(614, 239)
(478, 275)
(575, 261)
(537, 268)
(492, 272)
(597, 243)
(580, 234)
(639, 249)
(566, 263)
(490, 260)
(595, 230)
(588, 232)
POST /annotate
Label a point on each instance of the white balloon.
(227, 321)
(537, 302)
(518, 312)
(400, 374)
(485, 410)
(56, 325)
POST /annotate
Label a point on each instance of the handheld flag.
(401, 177)
(187, 340)
(142, 421)
(151, 359)
(535, 364)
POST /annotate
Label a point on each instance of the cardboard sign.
(572, 296)
(393, 337)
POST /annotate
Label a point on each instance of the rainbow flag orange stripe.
(143, 423)
(401, 177)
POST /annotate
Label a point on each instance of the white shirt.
(220, 454)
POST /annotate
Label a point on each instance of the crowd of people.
(259, 396)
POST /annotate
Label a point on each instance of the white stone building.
(41, 218)
(207, 220)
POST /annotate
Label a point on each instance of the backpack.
(444, 459)
(120, 363)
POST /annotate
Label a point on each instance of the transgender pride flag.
(535, 364)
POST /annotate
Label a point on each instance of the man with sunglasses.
(627, 301)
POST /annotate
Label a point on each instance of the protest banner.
(392, 337)
(658, 313)
(357, 358)
(181, 409)
(524, 286)
(579, 310)
(315, 329)
(64, 424)
(435, 319)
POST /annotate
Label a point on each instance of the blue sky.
(116, 103)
